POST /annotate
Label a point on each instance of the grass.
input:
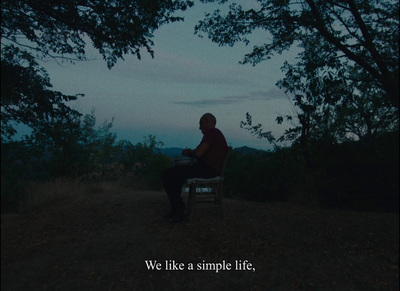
(98, 237)
(39, 195)
(43, 194)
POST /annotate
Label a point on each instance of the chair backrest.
(225, 161)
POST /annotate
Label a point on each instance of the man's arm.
(198, 152)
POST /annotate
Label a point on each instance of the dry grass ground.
(99, 236)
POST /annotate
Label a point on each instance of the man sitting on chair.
(210, 154)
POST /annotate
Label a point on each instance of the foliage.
(26, 95)
(78, 149)
(336, 102)
(261, 177)
(358, 175)
(256, 129)
(332, 106)
(362, 34)
(83, 152)
(146, 161)
(72, 148)
(60, 30)
(15, 169)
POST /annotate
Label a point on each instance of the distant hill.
(176, 152)
(248, 150)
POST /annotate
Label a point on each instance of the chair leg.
(191, 202)
(216, 188)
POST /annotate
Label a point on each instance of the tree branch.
(369, 42)
(321, 27)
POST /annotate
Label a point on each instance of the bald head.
(207, 121)
(209, 118)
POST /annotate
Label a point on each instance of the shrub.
(361, 175)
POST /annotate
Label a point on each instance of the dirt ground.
(101, 241)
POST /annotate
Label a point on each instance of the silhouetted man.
(210, 154)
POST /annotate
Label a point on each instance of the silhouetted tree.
(336, 100)
(60, 30)
(365, 33)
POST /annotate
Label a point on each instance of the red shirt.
(215, 154)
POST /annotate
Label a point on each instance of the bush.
(15, 171)
(259, 177)
(152, 172)
(360, 175)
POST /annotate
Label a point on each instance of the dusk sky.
(188, 76)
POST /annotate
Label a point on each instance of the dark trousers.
(174, 178)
